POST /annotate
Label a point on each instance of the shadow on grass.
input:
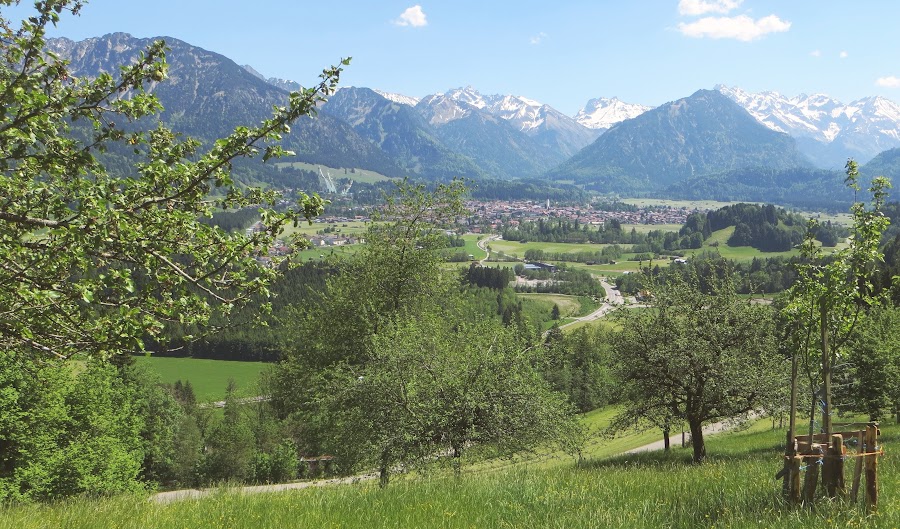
(751, 446)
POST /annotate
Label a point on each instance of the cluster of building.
(494, 214)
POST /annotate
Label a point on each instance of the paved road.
(613, 299)
(675, 438)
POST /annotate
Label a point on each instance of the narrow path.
(482, 244)
(194, 494)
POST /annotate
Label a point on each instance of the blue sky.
(561, 53)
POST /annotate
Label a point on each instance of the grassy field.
(472, 246)
(645, 228)
(733, 489)
(341, 228)
(209, 378)
(569, 306)
(519, 249)
(359, 175)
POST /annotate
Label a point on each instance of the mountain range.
(609, 145)
(827, 131)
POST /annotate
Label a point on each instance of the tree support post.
(871, 447)
(835, 459)
(829, 473)
(811, 483)
(857, 472)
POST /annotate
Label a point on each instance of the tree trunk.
(457, 453)
(697, 440)
(829, 470)
(384, 471)
(791, 470)
(666, 443)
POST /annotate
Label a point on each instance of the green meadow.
(209, 378)
(340, 228)
(516, 248)
(646, 228)
(733, 489)
(471, 246)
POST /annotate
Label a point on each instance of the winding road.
(613, 299)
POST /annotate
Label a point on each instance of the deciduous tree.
(92, 262)
(695, 356)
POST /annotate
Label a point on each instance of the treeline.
(765, 228)
(577, 365)
(758, 276)
(526, 189)
(610, 232)
(573, 282)
(602, 256)
(242, 339)
(233, 220)
(496, 278)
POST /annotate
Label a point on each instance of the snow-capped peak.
(860, 129)
(398, 98)
(603, 113)
(468, 95)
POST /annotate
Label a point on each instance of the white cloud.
(537, 39)
(890, 81)
(702, 7)
(843, 55)
(815, 53)
(413, 16)
(740, 27)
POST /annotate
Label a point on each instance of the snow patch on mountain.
(860, 129)
(818, 116)
(602, 113)
(398, 98)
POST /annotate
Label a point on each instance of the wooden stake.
(836, 486)
(857, 472)
(871, 468)
(812, 475)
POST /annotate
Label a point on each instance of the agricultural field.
(734, 488)
(471, 246)
(516, 248)
(209, 378)
(340, 228)
(359, 175)
(646, 228)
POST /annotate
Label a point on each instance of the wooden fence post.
(857, 472)
(813, 459)
(872, 468)
(835, 484)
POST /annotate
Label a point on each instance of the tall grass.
(735, 488)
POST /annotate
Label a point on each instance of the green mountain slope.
(698, 135)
